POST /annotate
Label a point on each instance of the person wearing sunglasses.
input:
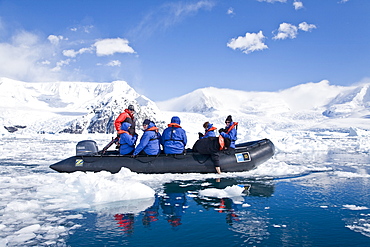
(230, 131)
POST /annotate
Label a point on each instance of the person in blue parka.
(174, 137)
(209, 131)
(126, 140)
(150, 141)
(230, 131)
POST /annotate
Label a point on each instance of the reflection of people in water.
(173, 205)
(126, 221)
(227, 206)
(151, 214)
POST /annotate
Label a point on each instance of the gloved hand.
(200, 135)
(221, 130)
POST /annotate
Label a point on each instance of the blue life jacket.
(231, 133)
(150, 141)
(174, 138)
(210, 131)
(126, 140)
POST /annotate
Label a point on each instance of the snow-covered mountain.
(69, 107)
(306, 104)
(81, 107)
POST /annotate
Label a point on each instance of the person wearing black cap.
(212, 146)
(150, 140)
(230, 131)
(126, 116)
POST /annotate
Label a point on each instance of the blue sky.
(165, 49)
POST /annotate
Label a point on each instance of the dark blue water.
(304, 211)
(316, 199)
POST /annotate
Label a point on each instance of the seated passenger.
(126, 140)
(230, 131)
(209, 131)
(212, 146)
(174, 137)
(150, 141)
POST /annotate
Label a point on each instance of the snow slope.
(306, 109)
(291, 114)
(69, 107)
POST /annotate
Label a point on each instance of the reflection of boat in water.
(246, 157)
(171, 206)
(227, 205)
(256, 188)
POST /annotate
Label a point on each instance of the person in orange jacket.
(126, 116)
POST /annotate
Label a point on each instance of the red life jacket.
(175, 125)
(221, 140)
(210, 129)
(152, 128)
(122, 132)
(232, 127)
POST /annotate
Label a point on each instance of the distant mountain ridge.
(87, 107)
(309, 96)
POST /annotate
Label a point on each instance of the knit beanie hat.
(146, 122)
(228, 119)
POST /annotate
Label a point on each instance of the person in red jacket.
(126, 116)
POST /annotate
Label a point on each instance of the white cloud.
(27, 56)
(306, 27)
(249, 43)
(182, 10)
(114, 63)
(285, 31)
(60, 64)
(168, 15)
(24, 58)
(70, 53)
(54, 39)
(230, 11)
(108, 47)
(73, 53)
(297, 5)
(85, 29)
(25, 39)
(343, 1)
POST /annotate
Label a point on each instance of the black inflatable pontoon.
(246, 157)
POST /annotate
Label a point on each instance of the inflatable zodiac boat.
(246, 157)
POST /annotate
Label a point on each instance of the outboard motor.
(87, 147)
